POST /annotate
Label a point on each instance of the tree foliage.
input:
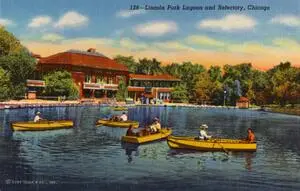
(60, 83)
(122, 91)
(179, 94)
(5, 85)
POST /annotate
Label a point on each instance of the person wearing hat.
(124, 117)
(203, 132)
(155, 127)
(37, 117)
(250, 136)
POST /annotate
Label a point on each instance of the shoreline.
(46, 103)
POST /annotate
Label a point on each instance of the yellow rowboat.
(41, 125)
(121, 124)
(211, 144)
(120, 108)
(164, 133)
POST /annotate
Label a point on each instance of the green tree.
(5, 85)
(9, 44)
(127, 61)
(122, 91)
(179, 94)
(149, 67)
(60, 83)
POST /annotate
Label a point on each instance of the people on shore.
(250, 136)
(203, 132)
(37, 117)
(124, 117)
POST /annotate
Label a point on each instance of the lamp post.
(224, 97)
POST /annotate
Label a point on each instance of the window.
(110, 80)
(88, 78)
(100, 79)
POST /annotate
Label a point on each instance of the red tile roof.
(84, 60)
(243, 99)
(161, 77)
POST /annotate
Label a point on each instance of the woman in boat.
(250, 136)
(124, 117)
(130, 131)
(203, 132)
(155, 127)
(37, 117)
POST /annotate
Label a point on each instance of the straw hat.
(38, 113)
(203, 126)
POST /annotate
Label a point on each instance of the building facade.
(243, 102)
(151, 86)
(95, 75)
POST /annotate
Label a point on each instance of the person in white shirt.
(203, 132)
(155, 127)
(124, 117)
(37, 117)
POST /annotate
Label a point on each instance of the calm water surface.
(93, 158)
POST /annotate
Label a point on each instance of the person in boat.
(250, 136)
(124, 117)
(130, 131)
(37, 117)
(203, 132)
(156, 126)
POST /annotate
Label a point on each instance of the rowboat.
(121, 124)
(175, 142)
(164, 133)
(41, 125)
(120, 108)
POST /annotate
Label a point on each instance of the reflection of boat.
(120, 108)
(41, 125)
(164, 133)
(210, 145)
(122, 124)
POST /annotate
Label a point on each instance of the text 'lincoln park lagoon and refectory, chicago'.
(219, 7)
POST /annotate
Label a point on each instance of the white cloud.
(156, 28)
(129, 13)
(204, 40)
(40, 21)
(229, 23)
(172, 45)
(6, 22)
(72, 19)
(52, 37)
(288, 20)
(132, 45)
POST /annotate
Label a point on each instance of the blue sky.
(216, 37)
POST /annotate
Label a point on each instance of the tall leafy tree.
(60, 83)
(149, 67)
(9, 44)
(122, 90)
(127, 61)
(5, 85)
(179, 94)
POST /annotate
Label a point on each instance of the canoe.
(41, 125)
(120, 108)
(211, 144)
(121, 124)
(164, 133)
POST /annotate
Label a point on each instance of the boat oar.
(226, 151)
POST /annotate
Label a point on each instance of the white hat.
(203, 126)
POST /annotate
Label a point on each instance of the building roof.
(243, 99)
(84, 59)
(161, 77)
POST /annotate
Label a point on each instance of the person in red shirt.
(250, 136)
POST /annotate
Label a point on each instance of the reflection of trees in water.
(13, 166)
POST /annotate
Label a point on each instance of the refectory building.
(95, 75)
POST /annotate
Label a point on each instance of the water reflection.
(130, 149)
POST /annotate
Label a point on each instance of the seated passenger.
(155, 127)
(250, 136)
(124, 117)
(37, 117)
(130, 131)
(203, 132)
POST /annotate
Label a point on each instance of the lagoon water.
(93, 158)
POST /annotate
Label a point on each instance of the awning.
(35, 83)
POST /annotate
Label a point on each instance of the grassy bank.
(291, 110)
